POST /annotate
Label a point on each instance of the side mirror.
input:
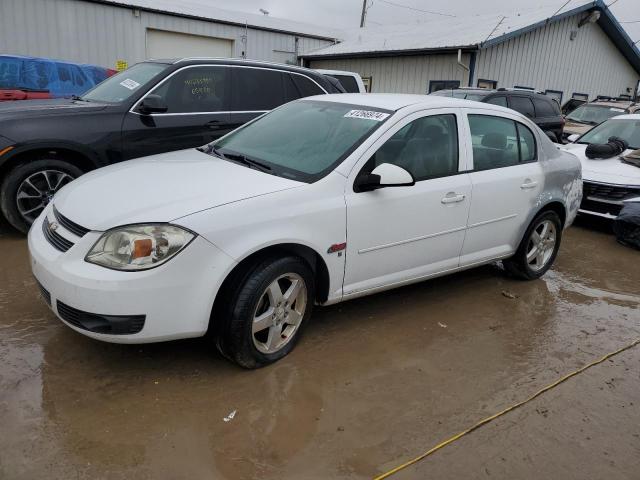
(573, 138)
(153, 104)
(384, 175)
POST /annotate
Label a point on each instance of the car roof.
(236, 61)
(628, 116)
(396, 101)
(612, 103)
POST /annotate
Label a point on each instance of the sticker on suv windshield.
(130, 84)
(367, 115)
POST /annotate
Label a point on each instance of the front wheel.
(538, 249)
(267, 312)
(29, 187)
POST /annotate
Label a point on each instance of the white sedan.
(322, 200)
(609, 182)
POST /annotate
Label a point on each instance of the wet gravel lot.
(373, 383)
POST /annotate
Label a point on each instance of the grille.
(55, 239)
(45, 293)
(69, 225)
(111, 324)
(609, 192)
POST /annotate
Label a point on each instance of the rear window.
(544, 108)
(256, 89)
(349, 83)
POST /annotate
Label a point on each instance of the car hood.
(161, 188)
(56, 106)
(571, 128)
(607, 170)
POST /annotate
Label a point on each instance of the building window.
(580, 96)
(435, 85)
(555, 94)
(490, 84)
(368, 83)
(520, 87)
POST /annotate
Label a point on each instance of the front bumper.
(606, 200)
(168, 302)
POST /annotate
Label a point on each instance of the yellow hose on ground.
(502, 412)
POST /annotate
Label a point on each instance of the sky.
(343, 14)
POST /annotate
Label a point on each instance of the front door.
(507, 180)
(197, 99)
(399, 234)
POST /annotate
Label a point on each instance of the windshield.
(125, 84)
(628, 130)
(303, 140)
(593, 114)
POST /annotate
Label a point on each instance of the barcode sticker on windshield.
(130, 84)
(367, 115)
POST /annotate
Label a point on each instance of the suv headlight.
(138, 247)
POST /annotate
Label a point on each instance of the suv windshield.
(125, 84)
(628, 130)
(302, 140)
(594, 114)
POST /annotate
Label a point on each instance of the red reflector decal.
(337, 247)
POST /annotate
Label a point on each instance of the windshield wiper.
(249, 162)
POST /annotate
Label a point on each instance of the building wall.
(87, 32)
(402, 74)
(546, 58)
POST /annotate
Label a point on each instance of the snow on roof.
(443, 32)
(203, 9)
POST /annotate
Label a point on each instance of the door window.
(522, 105)
(502, 101)
(257, 89)
(426, 147)
(544, 108)
(192, 90)
(500, 142)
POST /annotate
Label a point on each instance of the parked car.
(609, 182)
(320, 201)
(28, 78)
(351, 81)
(588, 115)
(570, 105)
(540, 108)
(153, 107)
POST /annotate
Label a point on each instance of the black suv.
(542, 109)
(153, 107)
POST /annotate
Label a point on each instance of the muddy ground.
(373, 383)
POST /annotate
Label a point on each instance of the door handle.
(528, 184)
(213, 124)
(452, 197)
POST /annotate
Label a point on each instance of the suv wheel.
(29, 187)
(267, 312)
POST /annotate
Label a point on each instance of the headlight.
(138, 247)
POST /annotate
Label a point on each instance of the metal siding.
(547, 59)
(402, 74)
(86, 32)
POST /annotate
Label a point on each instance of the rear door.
(257, 90)
(507, 181)
(548, 116)
(198, 102)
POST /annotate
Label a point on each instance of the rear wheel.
(267, 312)
(538, 249)
(29, 187)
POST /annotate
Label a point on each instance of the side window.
(192, 90)
(306, 86)
(349, 83)
(522, 105)
(256, 89)
(502, 101)
(527, 144)
(544, 108)
(500, 142)
(426, 147)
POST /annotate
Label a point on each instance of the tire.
(530, 269)
(43, 174)
(256, 346)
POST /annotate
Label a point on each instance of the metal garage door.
(163, 44)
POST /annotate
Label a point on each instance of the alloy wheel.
(279, 313)
(37, 190)
(541, 246)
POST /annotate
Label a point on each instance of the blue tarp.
(61, 79)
